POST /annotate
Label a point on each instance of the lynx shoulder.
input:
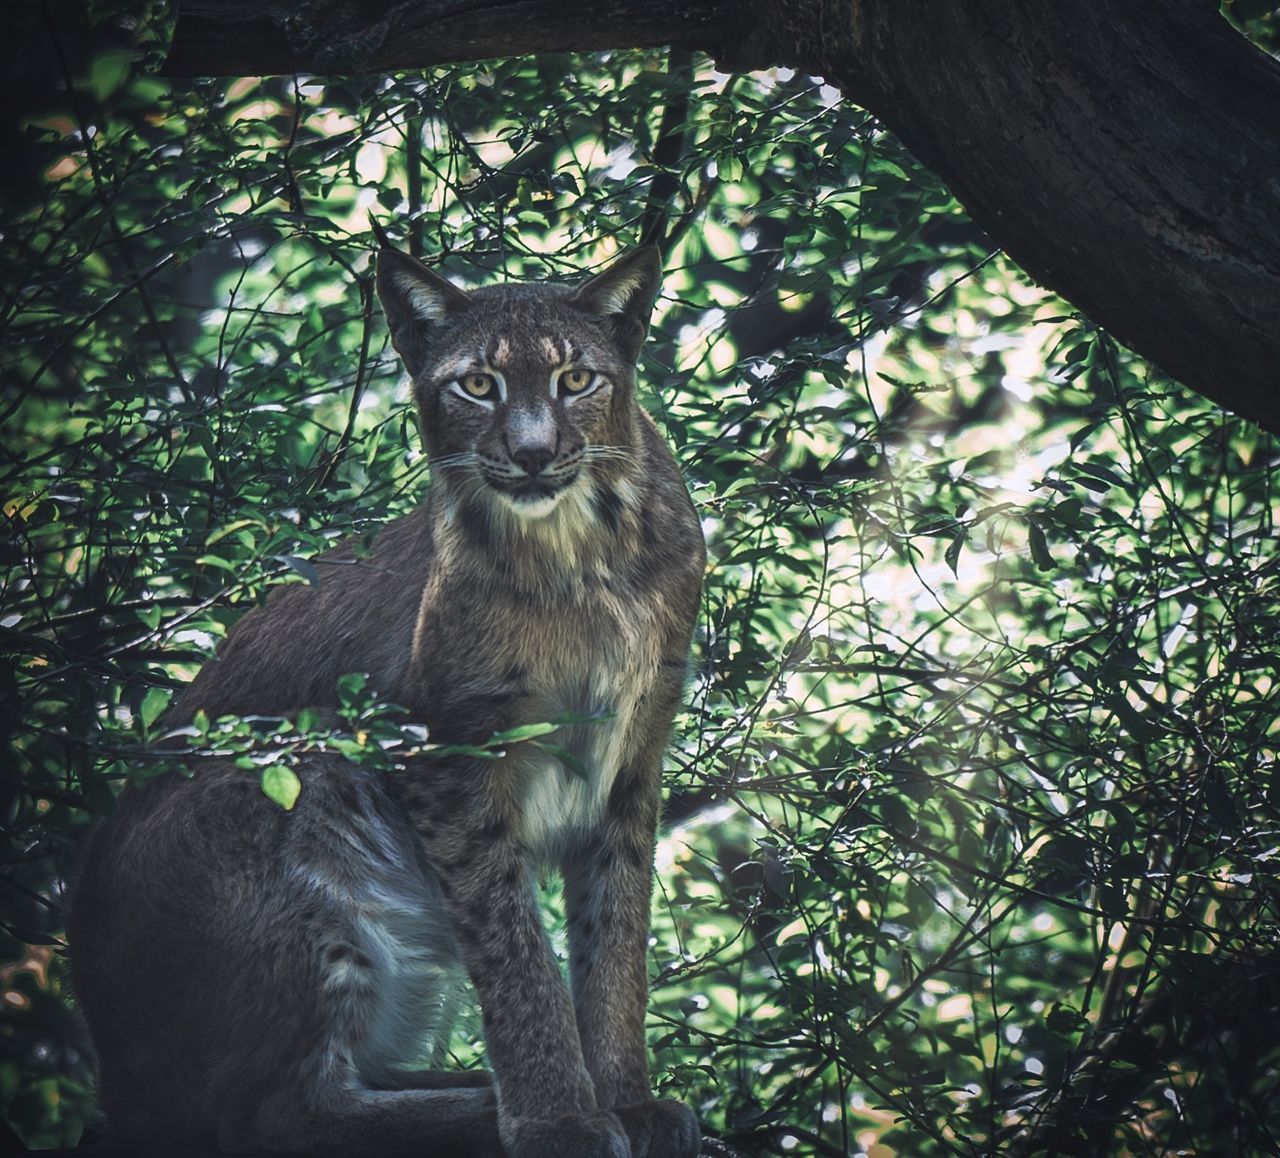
(283, 980)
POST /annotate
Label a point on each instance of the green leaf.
(952, 553)
(230, 529)
(568, 759)
(524, 732)
(282, 785)
(32, 937)
(351, 685)
(1101, 473)
(216, 561)
(303, 567)
(153, 706)
(1065, 1020)
(108, 71)
(935, 525)
(1039, 546)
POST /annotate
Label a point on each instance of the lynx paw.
(661, 1128)
(595, 1134)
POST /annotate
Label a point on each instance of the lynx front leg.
(607, 887)
(547, 1106)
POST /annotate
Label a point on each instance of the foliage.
(971, 840)
(1257, 19)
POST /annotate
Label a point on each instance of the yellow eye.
(575, 381)
(478, 385)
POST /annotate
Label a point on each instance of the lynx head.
(524, 392)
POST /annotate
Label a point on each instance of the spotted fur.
(278, 980)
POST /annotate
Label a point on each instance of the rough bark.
(1127, 155)
(711, 1148)
(239, 38)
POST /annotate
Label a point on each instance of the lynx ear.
(416, 300)
(622, 297)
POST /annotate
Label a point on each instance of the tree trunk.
(1127, 155)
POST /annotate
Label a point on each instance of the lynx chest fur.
(604, 657)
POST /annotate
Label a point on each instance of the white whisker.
(465, 458)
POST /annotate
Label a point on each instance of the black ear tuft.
(416, 300)
(380, 234)
(622, 297)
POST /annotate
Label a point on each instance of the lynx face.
(522, 419)
(524, 392)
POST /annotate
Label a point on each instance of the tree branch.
(235, 38)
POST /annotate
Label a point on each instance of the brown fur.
(273, 978)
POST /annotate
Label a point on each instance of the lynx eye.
(479, 386)
(575, 381)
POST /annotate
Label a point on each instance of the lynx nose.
(532, 457)
(531, 437)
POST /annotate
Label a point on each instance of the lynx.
(277, 980)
